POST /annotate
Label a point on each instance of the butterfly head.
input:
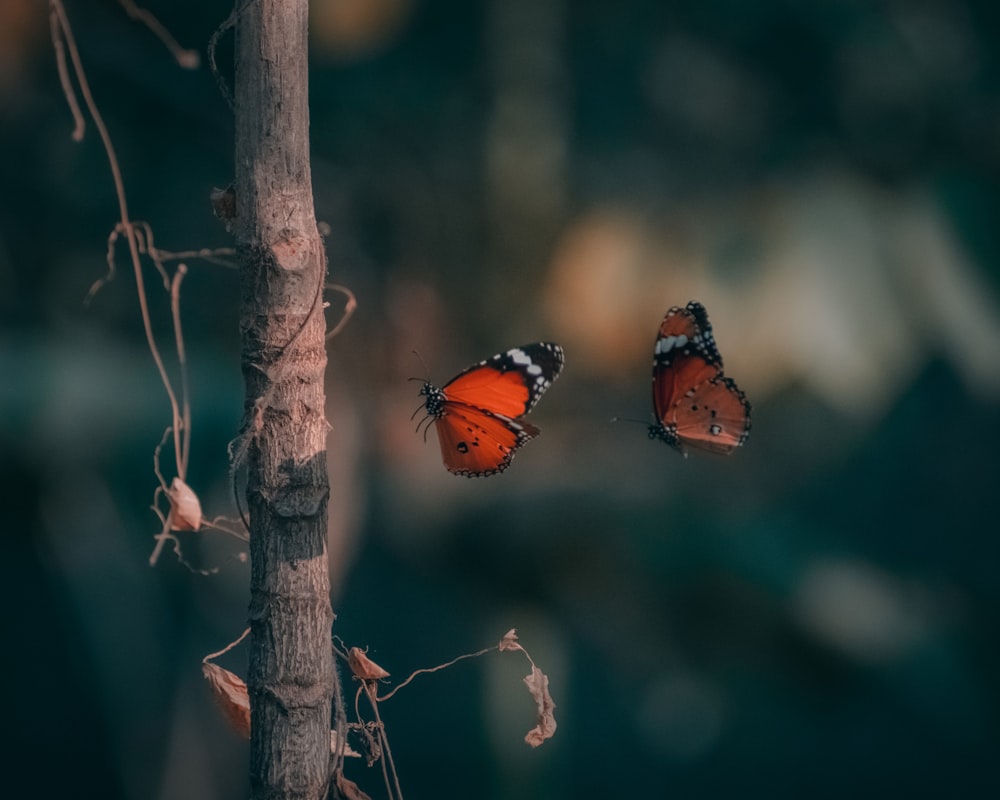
(435, 399)
(432, 406)
(668, 434)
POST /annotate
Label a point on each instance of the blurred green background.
(815, 616)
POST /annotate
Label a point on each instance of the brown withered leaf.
(538, 684)
(185, 507)
(509, 641)
(224, 205)
(363, 667)
(230, 693)
(346, 789)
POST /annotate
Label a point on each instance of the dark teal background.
(816, 616)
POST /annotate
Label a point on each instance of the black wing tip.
(553, 349)
(693, 307)
(709, 349)
(747, 405)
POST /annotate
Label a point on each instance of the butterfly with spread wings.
(477, 413)
(695, 404)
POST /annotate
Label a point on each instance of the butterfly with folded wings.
(695, 404)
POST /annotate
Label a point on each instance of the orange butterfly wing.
(698, 406)
(477, 443)
(489, 388)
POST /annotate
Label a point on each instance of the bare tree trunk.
(282, 269)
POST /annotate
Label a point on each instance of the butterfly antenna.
(426, 371)
(629, 419)
(424, 381)
(422, 363)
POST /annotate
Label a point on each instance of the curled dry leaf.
(346, 789)
(230, 693)
(372, 746)
(185, 508)
(538, 684)
(224, 205)
(363, 667)
(509, 641)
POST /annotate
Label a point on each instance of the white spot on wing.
(518, 356)
(668, 343)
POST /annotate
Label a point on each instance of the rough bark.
(282, 269)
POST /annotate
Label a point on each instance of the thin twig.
(434, 669)
(209, 254)
(109, 257)
(352, 304)
(144, 239)
(156, 457)
(165, 533)
(188, 59)
(160, 256)
(317, 305)
(213, 42)
(225, 649)
(184, 448)
(215, 525)
(79, 125)
(384, 740)
(339, 722)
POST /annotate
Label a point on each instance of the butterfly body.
(476, 414)
(695, 404)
